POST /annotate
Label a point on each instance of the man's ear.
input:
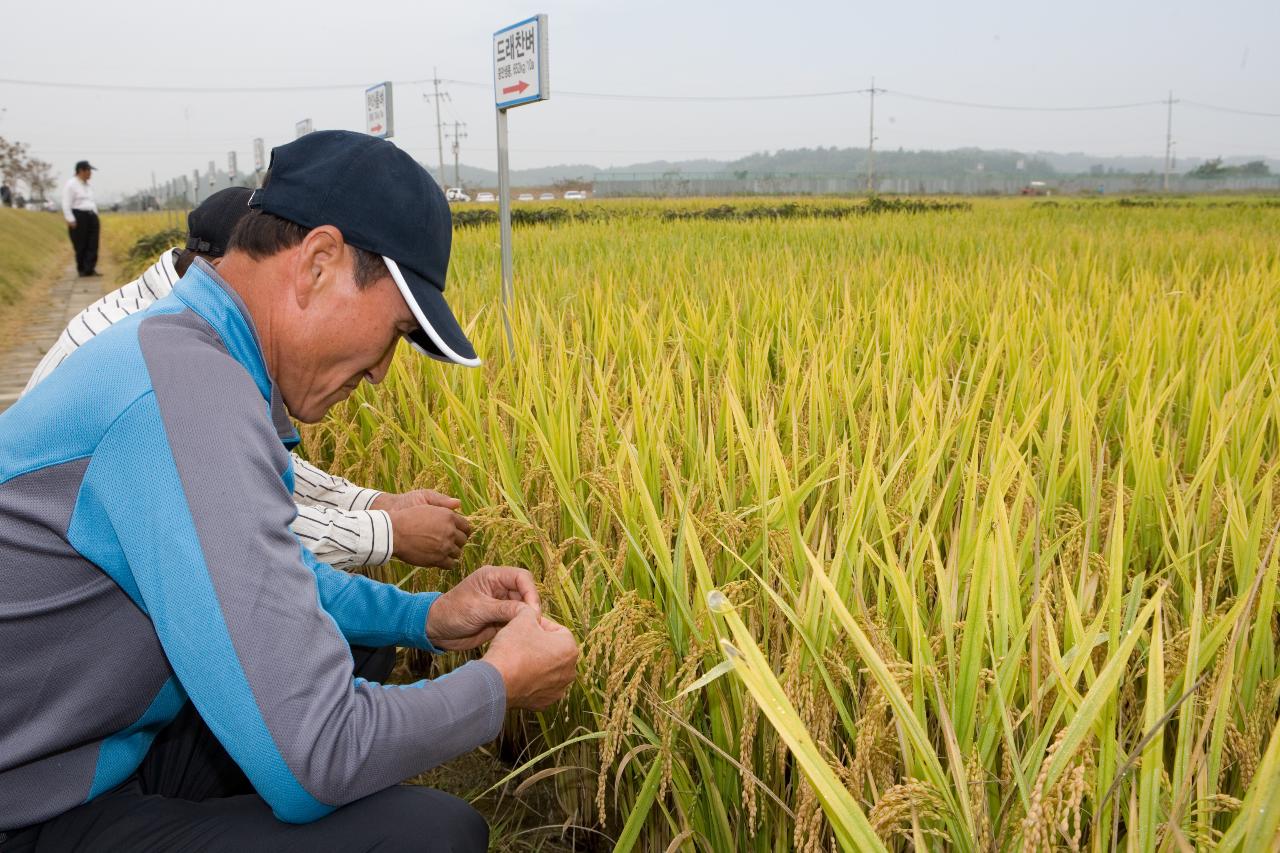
(319, 258)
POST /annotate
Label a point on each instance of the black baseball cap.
(209, 226)
(384, 202)
(84, 164)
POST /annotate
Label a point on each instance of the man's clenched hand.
(484, 601)
(537, 659)
(426, 529)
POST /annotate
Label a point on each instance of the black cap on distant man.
(83, 165)
(384, 202)
(209, 226)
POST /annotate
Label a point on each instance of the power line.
(605, 96)
(623, 96)
(1219, 109)
(193, 90)
(324, 87)
(1020, 108)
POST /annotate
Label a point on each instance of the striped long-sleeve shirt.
(130, 584)
(334, 519)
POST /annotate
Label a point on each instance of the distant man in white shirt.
(81, 213)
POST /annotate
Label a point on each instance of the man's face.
(344, 334)
(84, 175)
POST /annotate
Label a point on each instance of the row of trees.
(17, 166)
(1215, 168)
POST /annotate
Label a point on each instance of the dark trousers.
(84, 237)
(189, 795)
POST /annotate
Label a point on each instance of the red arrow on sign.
(517, 89)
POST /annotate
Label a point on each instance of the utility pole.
(871, 142)
(435, 82)
(458, 134)
(1168, 142)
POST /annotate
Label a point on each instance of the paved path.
(65, 299)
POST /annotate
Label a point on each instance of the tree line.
(1216, 169)
(18, 166)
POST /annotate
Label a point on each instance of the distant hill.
(663, 166)
(940, 164)
(473, 176)
(843, 161)
(827, 162)
(1077, 163)
(805, 161)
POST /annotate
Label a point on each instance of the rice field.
(946, 530)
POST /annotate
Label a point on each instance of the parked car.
(525, 197)
(485, 197)
(456, 194)
(574, 195)
(547, 197)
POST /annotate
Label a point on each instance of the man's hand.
(425, 528)
(418, 497)
(537, 658)
(71, 225)
(473, 611)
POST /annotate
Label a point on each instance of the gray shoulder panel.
(81, 661)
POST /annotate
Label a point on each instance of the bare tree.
(17, 164)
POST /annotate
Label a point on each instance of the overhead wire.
(626, 96)
(190, 90)
(1234, 110)
(1022, 108)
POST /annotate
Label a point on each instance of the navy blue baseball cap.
(209, 226)
(384, 202)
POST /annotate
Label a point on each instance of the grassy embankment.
(34, 251)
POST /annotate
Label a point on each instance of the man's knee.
(414, 818)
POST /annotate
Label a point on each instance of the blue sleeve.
(191, 487)
(369, 612)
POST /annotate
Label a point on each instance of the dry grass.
(34, 249)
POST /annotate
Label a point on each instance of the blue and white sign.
(378, 119)
(520, 63)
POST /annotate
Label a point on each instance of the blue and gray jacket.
(130, 582)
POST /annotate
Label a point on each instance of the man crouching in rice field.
(146, 557)
(344, 525)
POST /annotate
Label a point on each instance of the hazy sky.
(1037, 54)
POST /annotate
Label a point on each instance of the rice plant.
(946, 530)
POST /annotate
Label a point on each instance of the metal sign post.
(213, 174)
(520, 76)
(259, 160)
(304, 127)
(231, 166)
(378, 118)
